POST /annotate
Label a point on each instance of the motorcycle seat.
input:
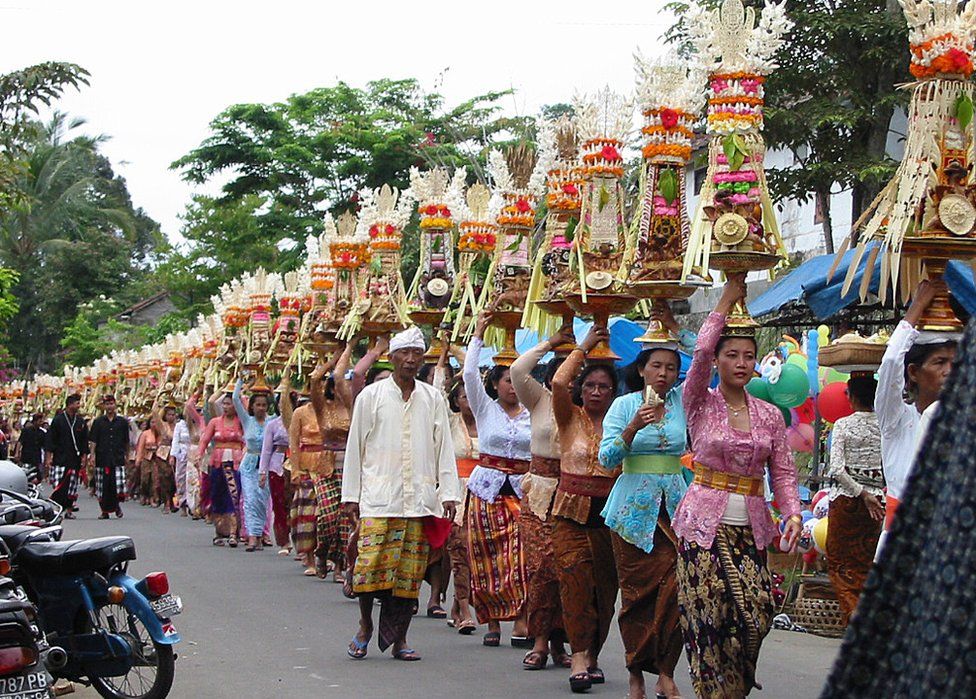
(76, 556)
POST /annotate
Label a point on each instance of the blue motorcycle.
(104, 627)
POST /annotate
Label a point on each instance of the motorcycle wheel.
(152, 671)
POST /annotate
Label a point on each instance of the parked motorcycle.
(23, 649)
(116, 632)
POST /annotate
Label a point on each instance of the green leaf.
(604, 198)
(735, 162)
(667, 185)
(515, 244)
(570, 232)
(376, 265)
(964, 111)
(437, 244)
(728, 146)
(740, 144)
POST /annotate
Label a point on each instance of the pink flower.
(610, 154)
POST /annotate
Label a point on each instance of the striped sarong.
(303, 507)
(392, 556)
(331, 529)
(495, 554)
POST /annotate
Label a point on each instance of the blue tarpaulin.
(808, 283)
(622, 335)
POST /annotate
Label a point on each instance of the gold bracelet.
(578, 349)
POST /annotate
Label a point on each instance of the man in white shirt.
(399, 476)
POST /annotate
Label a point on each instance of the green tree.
(287, 163)
(831, 101)
(71, 233)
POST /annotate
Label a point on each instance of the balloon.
(823, 335)
(805, 412)
(818, 496)
(833, 376)
(820, 536)
(833, 402)
(813, 361)
(787, 416)
(759, 388)
(821, 508)
(783, 545)
(804, 543)
(797, 360)
(806, 516)
(801, 437)
(791, 389)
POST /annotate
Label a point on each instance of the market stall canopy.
(808, 284)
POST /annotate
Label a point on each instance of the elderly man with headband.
(399, 476)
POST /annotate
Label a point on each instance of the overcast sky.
(161, 71)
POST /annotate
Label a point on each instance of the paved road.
(254, 627)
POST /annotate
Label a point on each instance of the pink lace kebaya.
(719, 447)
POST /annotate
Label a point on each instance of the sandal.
(522, 641)
(232, 542)
(218, 541)
(357, 649)
(347, 590)
(580, 682)
(596, 675)
(104, 515)
(249, 548)
(406, 654)
(493, 639)
(310, 572)
(467, 627)
(284, 552)
(535, 660)
(436, 612)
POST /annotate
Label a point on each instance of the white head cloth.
(931, 337)
(411, 338)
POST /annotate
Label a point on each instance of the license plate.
(30, 686)
(167, 606)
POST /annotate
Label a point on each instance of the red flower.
(373, 231)
(669, 118)
(445, 212)
(390, 229)
(610, 154)
(959, 59)
(522, 206)
(570, 189)
(431, 210)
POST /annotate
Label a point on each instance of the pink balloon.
(800, 437)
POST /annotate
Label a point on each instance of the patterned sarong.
(331, 530)
(392, 556)
(542, 586)
(65, 483)
(852, 539)
(303, 506)
(225, 498)
(726, 603)
(587, 582)
(495, 556)
(650, 624)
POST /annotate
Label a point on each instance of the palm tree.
(61, 205)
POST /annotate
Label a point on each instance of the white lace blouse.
(855, 457)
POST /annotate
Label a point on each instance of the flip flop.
(466, 627)
(357, 649)
(580, 682)
(436, 612)
(522, 641)
(492, 639)
(596, 675)
(534, 660)
(407, 655)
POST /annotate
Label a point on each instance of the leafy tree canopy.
(287, 163)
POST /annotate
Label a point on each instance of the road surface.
(253, 627)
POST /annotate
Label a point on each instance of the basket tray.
(864, 356)
(818, 616)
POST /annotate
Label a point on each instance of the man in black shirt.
(31, 440)
(67, 449)
(109, 437)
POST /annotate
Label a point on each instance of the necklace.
(735, 411)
